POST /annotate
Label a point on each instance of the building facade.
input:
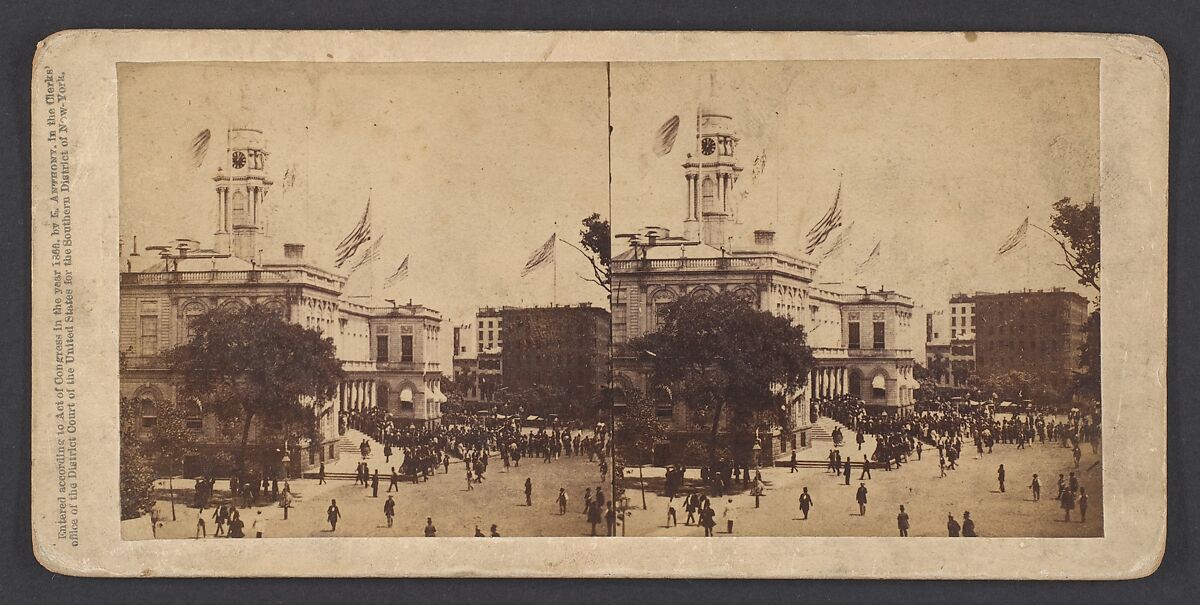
(388, 352)
(862, 340)
(1039, 332)
(565, 348)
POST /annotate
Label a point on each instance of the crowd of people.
(477, 443)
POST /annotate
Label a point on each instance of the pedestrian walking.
(587, 500)
(1000, 477)
(793, 463)
(375, 484)
(1036, 487)
(469, 486)
(730, 515)
(528, 492)
(689, 505)
(672, 521)
(1068, 503)
(708, 520)
(220, 516)
(968, 525)
(848, 467)
(259, 525)
(941, 466)
(610, 517)
(866, 469)
(389, 511)
(952, 526)
(562, 500)
(806, 502)
(902, 522)
(430, 530)
(321, 474)
(593, 515)
(332, 514)
(495, 531)
(859, 439)
(201, 529)
(1083, 505)
(861, 497)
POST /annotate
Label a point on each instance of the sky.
(469, 167)
(938, 161)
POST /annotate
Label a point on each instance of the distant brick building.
(1038, 332)
(560, 347)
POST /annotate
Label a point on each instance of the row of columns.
(825, 383)
(356, 395)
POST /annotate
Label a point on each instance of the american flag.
(544, 254)
(400, 273)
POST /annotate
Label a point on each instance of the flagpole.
(554, 253)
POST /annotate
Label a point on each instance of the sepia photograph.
(361, 323)
(624, 304)
(858, 298)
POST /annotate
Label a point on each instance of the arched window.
(149, 414)
(406, 399)
(191, 313)
(879, 387)
(239, 213)
(658, 307)
(194, 421)
(708, 195)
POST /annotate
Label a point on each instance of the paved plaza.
(916, 485)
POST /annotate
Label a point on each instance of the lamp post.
(757, 463)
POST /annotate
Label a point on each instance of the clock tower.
(242, 185)
(711, 171)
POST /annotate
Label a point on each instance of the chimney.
(294, 252)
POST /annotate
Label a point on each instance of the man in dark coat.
(952, 526)
(861, 497)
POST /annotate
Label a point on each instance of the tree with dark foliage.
(250, 364)
(727, 361)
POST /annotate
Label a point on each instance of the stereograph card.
(662, 304)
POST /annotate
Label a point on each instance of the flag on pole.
(838, 241)
(664, 139)
(544, 254)
(356, 238)
(871, 258)
(1014, 239)
(832, 220)
(400, 273)
(760, 165)
(370, 255)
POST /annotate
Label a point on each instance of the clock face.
(239, 159)
(708, 146)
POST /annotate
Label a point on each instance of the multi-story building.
(950, 341)
(387, 351)
(862, 339)
(1034, 331)
(562, 347)
(489, 347)
(466, 361)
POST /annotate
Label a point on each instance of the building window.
(406, 348)
(708, 196)
(149, 332)
(381, 347)
(855, 342)
(879, 339)
(149, 414)
(195, 418)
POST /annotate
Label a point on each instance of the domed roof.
(712, 108)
